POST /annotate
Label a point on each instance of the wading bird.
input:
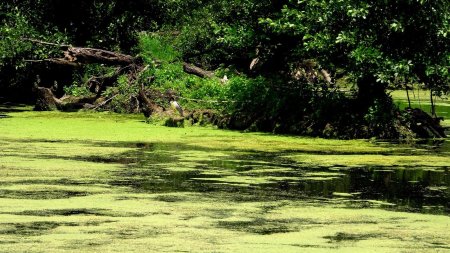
(175, 106)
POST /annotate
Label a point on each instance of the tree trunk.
(148, 107)
(45, 101)
(433, 108)
(93, 55)
(191, 69)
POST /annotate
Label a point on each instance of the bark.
(192, 69)
(148, 107)
(46, 101)
(93, 55)
(97, 84)
(75, 56)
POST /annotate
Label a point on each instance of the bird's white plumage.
(176, 106)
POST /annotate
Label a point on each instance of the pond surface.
(108, 183)
(158, 168)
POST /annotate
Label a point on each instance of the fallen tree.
(46, 101)
(126, 65)
(192, 69)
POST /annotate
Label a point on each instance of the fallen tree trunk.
(192, 69)
(424, 125)
(75, 56)
(46, 101)
(97, 84)
(148, 107)
(85, 55)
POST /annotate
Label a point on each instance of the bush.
(77, 90)
(124, 96)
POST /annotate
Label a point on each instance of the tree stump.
(45, 101)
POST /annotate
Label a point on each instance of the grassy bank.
(421, 99)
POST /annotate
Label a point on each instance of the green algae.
(87, 182)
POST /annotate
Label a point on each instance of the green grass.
(421, 99)
(101, 182)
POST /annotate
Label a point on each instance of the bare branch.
(45, 43)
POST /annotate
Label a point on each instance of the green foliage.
(155, 47)
(15, 49)
(123, 95)
(395, 42)
(375, 44)
(381, 118)
(223, 31)
(77, 90)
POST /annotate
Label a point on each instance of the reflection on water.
(260, 176)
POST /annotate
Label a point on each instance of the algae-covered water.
(99, 182)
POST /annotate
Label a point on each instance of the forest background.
(320, 67)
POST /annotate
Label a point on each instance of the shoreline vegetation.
(306, 68)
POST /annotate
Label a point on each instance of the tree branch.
(45, 43)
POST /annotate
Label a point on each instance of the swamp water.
(83, 182)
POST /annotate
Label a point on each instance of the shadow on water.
(259, 176)
(262, 176)
(8, 107)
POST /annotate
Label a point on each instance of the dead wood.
(45, 100)
(424, 125)
(129, 65)
(148, 106)
(74, 56)
(98, 84)
(93, 55)
(192, 69)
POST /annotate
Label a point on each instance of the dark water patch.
(10, 108)
(8, 242)
(403, 186)
(39, 194)
(343, 236)
(167, 168)
(31, 228)
(57, 182)
(420, 146)
(440, 245)
(256, 226)
(170, 198)
(264, 226)
(413, 188)
(219, 213)
(77, 212)
(62, 212)
(137, 232)
(94, 158)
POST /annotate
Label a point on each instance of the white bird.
(176, 106)
(224, 80)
